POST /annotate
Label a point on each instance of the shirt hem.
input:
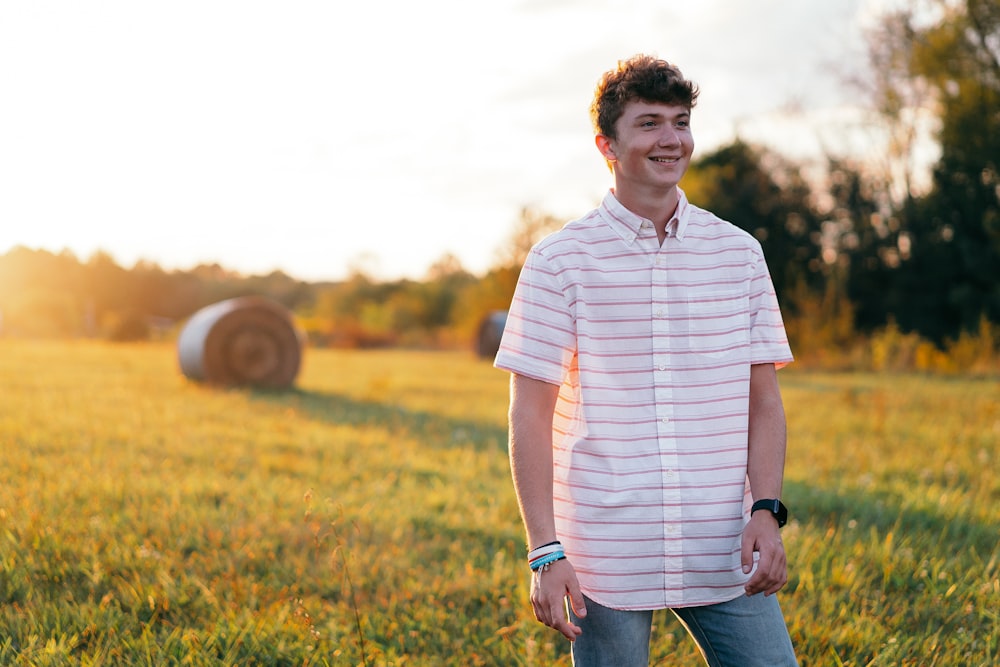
(705, 602)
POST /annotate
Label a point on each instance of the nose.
(669, 136)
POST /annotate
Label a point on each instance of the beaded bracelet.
(545, 568)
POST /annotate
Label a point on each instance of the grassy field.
(367, 518)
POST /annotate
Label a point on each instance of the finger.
(553, 615)
(568, 630)
(746, 554)
(765, 561)
(576, 601)
(771, 574)
(579, 606)
(761, 577)
(779, 577)
(540, 607)
(539, 613)
(770, 585)
(549, 609)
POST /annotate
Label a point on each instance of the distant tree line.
(46, 294)
(858, 251)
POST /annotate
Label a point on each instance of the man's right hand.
(549, 590)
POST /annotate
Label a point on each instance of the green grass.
(367, 517)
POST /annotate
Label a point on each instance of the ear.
(606, 146)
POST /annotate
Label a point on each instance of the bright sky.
(314, 137)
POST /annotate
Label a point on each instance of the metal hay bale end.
(248, 340)
(490, 332)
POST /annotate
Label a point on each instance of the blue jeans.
(745, 632)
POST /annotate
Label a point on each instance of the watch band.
(775, 507)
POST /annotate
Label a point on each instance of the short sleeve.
(539, 339)
(768, 341)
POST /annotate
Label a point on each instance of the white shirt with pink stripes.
(651, 346)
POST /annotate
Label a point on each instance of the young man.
(647, 433)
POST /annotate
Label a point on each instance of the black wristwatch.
(775, 507)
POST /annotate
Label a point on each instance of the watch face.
(775, 507)
(780, 513)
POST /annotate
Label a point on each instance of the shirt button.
(671, 528)
(662, 367)
(659, 312)
(665, 420)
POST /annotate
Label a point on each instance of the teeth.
(665, 159)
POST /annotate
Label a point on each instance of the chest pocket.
(718, 322)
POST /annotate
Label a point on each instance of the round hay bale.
(243, 341)
(490, 332)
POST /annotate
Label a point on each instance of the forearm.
(765, 470)
(530, 447)
(767, 434)
(532, 404)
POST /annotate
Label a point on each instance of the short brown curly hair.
(641, 77)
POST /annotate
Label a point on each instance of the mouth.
(665, 160)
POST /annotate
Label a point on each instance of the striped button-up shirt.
(651, 346)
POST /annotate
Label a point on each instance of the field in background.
(367, 517)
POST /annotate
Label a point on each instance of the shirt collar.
(627, 223)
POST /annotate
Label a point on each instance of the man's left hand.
(763, 536)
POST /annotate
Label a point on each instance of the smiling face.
(649, 153)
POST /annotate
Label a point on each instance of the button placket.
(665, 426)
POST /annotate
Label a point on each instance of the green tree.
(860, 243)
(948, 274)
(960, 226)
(766, 195)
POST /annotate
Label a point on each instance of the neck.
(658, 207)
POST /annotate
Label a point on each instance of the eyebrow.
(683, 114)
